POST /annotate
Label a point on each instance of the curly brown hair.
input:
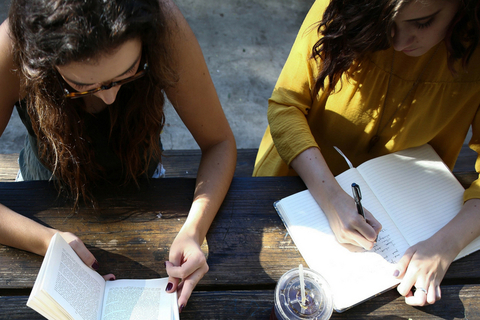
(349, 30)
(50, 33)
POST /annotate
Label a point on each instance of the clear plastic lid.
(288, 300)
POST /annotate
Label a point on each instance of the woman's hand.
(187, 264)
(196, 101)
(87, 257)
(423, 266)
(348, 225)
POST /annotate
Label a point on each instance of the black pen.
(357, 195)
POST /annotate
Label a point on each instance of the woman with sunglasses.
(373, 77)
(88, 79)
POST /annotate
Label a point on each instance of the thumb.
(402, 264)
(172, 281)
(401, 268)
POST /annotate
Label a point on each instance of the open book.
(66, 288)
(412, 193)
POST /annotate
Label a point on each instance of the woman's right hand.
(83, 253)
(348, 225)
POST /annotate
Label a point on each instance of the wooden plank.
(466, 160)
(129, 239)
(177, 163)
(184, 163)
(8, 167)
(458, 302)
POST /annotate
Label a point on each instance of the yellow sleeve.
(292, 96)
(473, 192)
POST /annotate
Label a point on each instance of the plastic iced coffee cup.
(288, 304)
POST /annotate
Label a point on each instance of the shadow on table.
(389, 304)
(123, 267)
(451, 305)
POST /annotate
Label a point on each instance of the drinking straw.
(302, 283)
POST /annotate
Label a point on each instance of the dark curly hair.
(349, 30)
(50, 33)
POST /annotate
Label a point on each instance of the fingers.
(79, 247)
(181, 269)
(401, 268)
(368, 235)
(189, 273)
(87, 257)
(374, 223)
(365, 232)
(172, 281)
(109, 277)
(422, 296)
(417, 288)
(359, 239)
(189, 284)
(360, 232)
(417, 297)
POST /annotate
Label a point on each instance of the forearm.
(312, 168)
(20, 232)
(462, 229)
(339, 207)
(215, 174)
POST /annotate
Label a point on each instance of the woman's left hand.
(187, 264)
(423, 266)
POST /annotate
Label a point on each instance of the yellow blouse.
(438, 110)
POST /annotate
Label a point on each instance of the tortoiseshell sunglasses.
(80, 94)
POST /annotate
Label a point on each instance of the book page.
(38, 300)
(354, 274)
(139, 300)
(65, 287)
(418, 191)
(76, 287)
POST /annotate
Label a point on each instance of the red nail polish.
(169, 286)
(181, 308)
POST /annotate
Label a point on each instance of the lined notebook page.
(354, 276)
(390, 243)
(415, 187)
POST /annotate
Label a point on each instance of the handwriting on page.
(386, 247)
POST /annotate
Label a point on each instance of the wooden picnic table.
(248, 249)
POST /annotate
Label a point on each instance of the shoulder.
(9, 80)
(174, 17)
(180, 33)
(5, 40)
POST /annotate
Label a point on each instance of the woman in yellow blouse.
(374, 77)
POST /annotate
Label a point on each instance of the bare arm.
(346, 223)
(16, 230)
(424, 265)
(196, 101)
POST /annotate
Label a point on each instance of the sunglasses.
(80, 94)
